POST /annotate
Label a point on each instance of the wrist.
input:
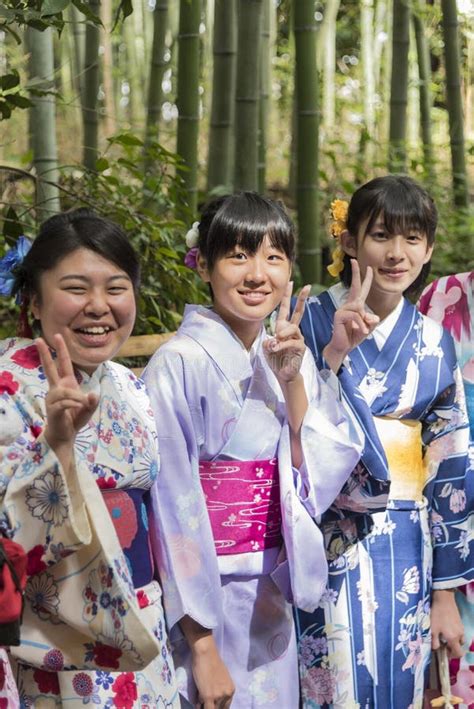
(334, 358)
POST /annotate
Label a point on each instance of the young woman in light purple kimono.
(254, 446)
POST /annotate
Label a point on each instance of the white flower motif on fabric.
(46, 498)
(372, 386)
(411, 584)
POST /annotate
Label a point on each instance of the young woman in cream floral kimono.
(76, 465)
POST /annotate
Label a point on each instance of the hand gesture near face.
(284, 352)
(68, 408)
(352, 323)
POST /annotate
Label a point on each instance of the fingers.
(284, 309)
(298, 312)
(47, 363)
(367, 283)
(65, 367)
(354, 293)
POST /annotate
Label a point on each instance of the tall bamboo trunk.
(424, 82)
(264, 100)
(157, 69)
(368, 65)
(78, 35)
(188, 96)
(43, 122)
(306, 89)
(454, 102)
(107, 66)
(133, 74)
(246, 94)
(399, 86)
(91, 90)
(221, 131)
(326, 51)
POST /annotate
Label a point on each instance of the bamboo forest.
(142, 109)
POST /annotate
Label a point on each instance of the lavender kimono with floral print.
(93, 628)
(214, 401)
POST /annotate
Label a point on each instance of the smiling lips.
(253, 297)
(392, 272)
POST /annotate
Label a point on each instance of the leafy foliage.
(143, 204)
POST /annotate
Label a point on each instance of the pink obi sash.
(243, 502)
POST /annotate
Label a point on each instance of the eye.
(277, 257)
(379, 235)
(75, 289)
(238, 255)
(116, 290)
(414, 238)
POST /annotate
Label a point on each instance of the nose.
(97, 304)
(395, 250)
(256, 273)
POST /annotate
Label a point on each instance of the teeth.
(95, 330)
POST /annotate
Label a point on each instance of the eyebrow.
(78, 277)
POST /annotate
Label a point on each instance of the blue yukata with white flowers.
(368, 645)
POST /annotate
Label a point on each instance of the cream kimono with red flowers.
(93, 628)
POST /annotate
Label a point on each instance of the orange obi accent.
(402, 443)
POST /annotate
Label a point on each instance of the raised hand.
(352, 323)
(68, 408)
(284, 352)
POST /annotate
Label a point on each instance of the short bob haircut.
(64, 233)
(243, 220)
(403, 204)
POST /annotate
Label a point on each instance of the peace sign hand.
(68, 408)
(284, 352)
(352, 323)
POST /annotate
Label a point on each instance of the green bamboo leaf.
(9, 81)
(101, 164)
(19, 101)
(127, 139)
(53, 7)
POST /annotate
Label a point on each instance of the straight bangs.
(402, 205)
(243, 221)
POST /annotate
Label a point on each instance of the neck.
(247, 332)
(383, 304)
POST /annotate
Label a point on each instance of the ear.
(348, 244)
(202, 268)
(35, 307)
(429, 253)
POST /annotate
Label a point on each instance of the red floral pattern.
(35, 563)
(8, 385)
(106, 656)
(106, 483)
(27, 357)
(125, 690)
(47, 681)
(143, 600)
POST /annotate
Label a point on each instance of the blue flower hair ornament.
(10, 263)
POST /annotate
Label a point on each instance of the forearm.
(333, 358)
(296, 408)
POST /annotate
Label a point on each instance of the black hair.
(64, 233)
(244, 219)
(404, 204)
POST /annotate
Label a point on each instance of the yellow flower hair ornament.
(339, 210)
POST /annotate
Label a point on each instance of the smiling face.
(396, 260)
(89, 301)
(247, 287)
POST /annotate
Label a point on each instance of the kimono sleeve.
(450, 472)
(43, 504)
(331, 448)
(181, 532)
(331, 439)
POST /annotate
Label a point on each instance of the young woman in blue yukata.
(390, 598)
